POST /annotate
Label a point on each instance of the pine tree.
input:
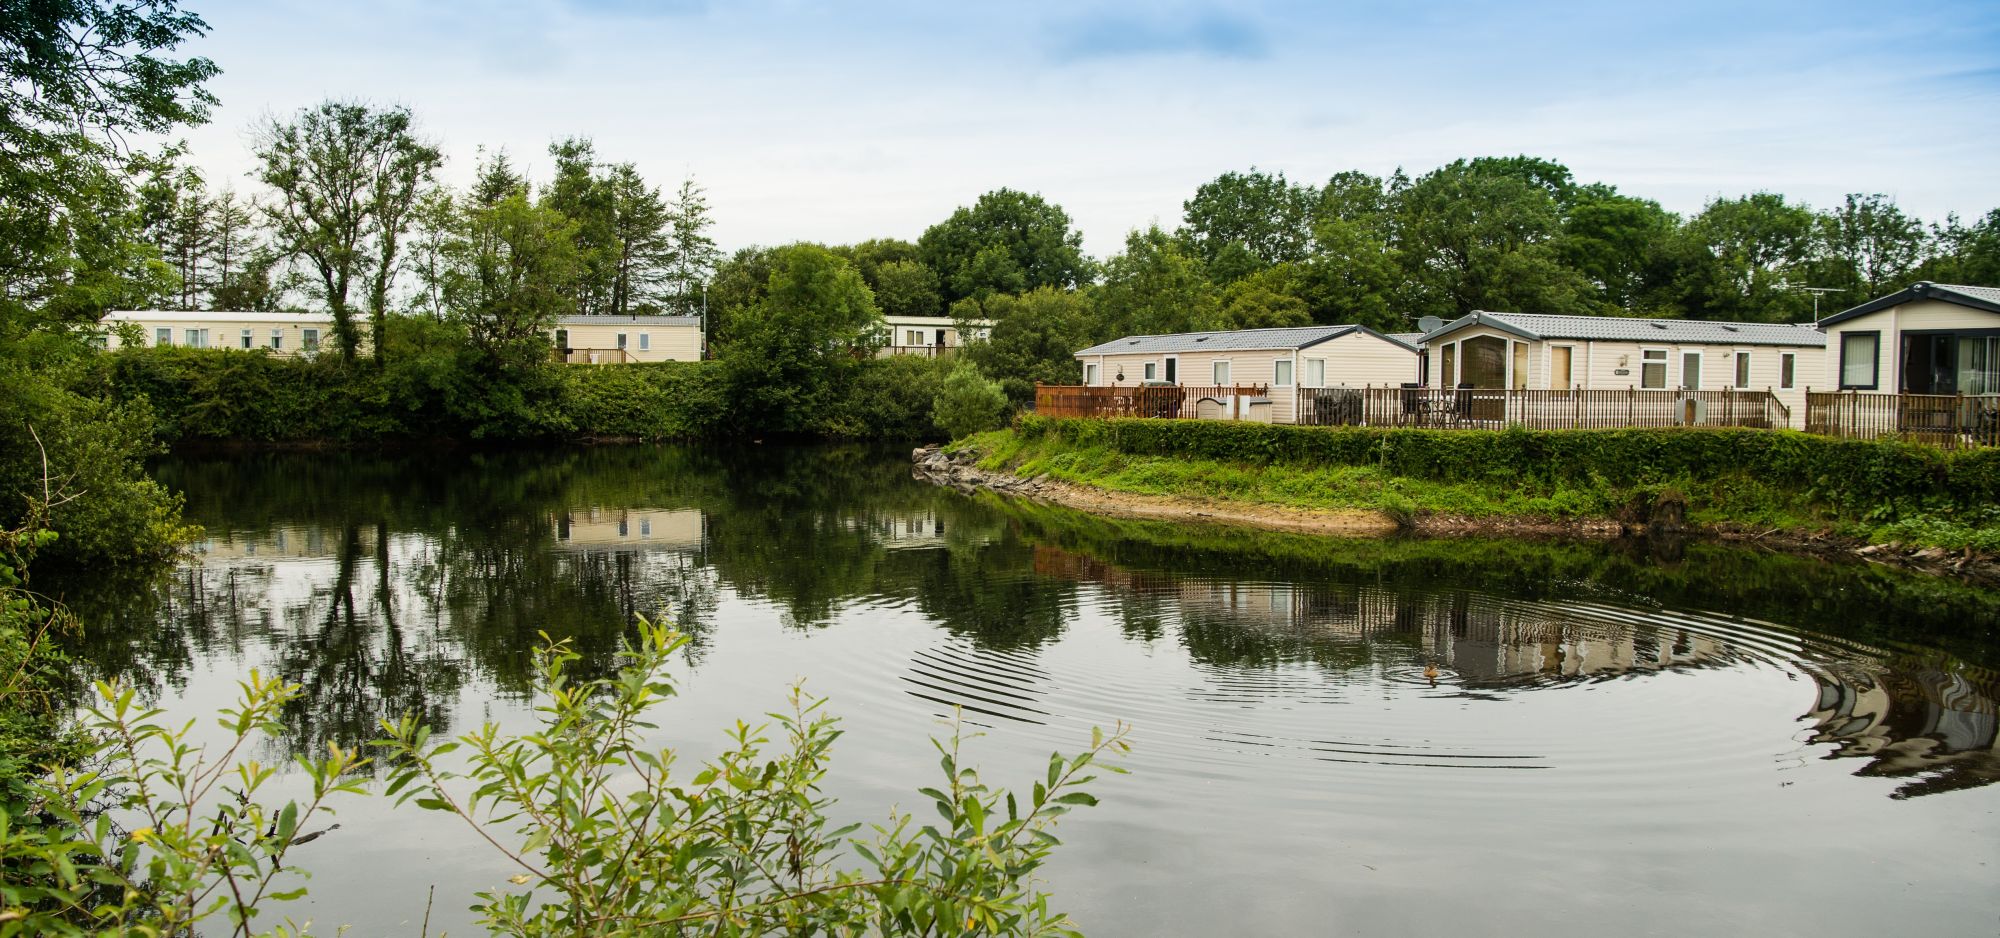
(694, 253)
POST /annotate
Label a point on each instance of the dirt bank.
(959, 471)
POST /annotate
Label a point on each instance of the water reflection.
(391, 585)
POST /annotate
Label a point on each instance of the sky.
(838, 122)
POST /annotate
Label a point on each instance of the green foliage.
(1007, 242)
(792, 353)
(1156, 288)
(968, 402)
(890, 398)
(1034, 338)
(608, 836)
(202, 848)
(346, 178)
(1240, 223)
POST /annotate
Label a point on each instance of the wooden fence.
(1169, 401)
(1948, 420)
(1538, 410)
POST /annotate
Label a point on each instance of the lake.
(1652, 738)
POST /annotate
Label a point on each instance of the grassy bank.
(1879, 491)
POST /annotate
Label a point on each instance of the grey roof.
(1288, 337)
(1984, 298)
(1407, 338)
(1536, 326)
(628, 320)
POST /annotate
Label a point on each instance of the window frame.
(277, 338)
(645, 341)
(1150, 372)
(1219, 372)
(1282, 373)
(1874, 360)
(1701, 365)
(308, 339)
(1665, 359)
(1741, 379)
(1448, 365)
(623, 338)
(1311, 380)
(249, 340)
(1090, 374)
(163, 336)
(1788, 370)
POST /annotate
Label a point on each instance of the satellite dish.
(1429, 324)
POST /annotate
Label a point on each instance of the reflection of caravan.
(1932, 726)
(649, 528)
(283, 542)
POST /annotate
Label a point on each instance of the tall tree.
(509, 271)
(1480, 234)
(581, 193)
(1617, 241)
(234, 251)
(642, 224)
(344, 177)
(1739, 258)
(1965, 253)
(177, 215)
(695, 254)
(1006, 242)
(1239, 223)
(792, 350)
(1868, 245)
(403, 169)
(1156, 287)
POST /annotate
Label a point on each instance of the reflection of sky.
(841, 122)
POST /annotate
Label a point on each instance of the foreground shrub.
(968, 403)
(608, 836)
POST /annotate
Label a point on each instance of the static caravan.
(1932, 338)
(932, 336)
(275, 333)
(1528, 351)
(604, 340)
(1285, 359)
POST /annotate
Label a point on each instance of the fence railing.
(592, 356)
(920, 351)
(1949, 420)
(1166, 401)
(1572, 409)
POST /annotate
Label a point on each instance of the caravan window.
(1859, 360)
(1653, 369)
(1315, 372)
(1281, 372)
(1221, 373)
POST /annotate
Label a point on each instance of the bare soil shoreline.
(960, 471)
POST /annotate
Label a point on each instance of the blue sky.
(839, 122)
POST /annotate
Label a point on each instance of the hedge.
(1853, 475)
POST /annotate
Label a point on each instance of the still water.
(1650, 739)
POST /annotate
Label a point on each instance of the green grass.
(1727, 499)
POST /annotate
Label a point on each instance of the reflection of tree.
(388, 584)
(355, 667)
